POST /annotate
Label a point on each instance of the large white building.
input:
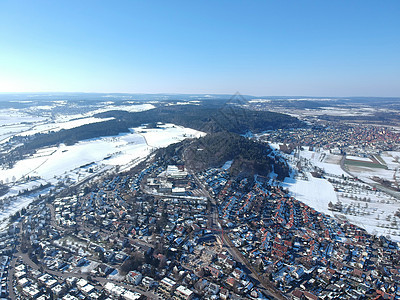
(175, 173)
(183, 293)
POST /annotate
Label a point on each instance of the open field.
(362, 163)
(340, 195)
(70, 164)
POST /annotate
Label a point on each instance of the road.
(53, 219)
(10, 279)
(267, 287)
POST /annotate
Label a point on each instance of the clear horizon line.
(226, 94)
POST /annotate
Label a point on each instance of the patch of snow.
(120, 150)
(128, 108)
(330, 163)
(315, 192)
(167, 134)
(183, 103)
(42, 107)
(227, 165)
(57, 126)
(13, 116)
(15, 206)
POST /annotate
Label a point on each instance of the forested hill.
(209, 118)
(213, 150)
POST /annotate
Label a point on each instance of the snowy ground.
(43, 119)
(330, 163)
(391, 174)
(357, 202)
(11, 207)
(370, 209)
(74, 163)
(227, 165)
(391, 159)
(12, 116)
(57, 126)
(323, 159)
(13, 121)
(129, 108)
(167, 134)
(314, 192)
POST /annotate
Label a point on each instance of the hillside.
(249, 157)
(211, 118)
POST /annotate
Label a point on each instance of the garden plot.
(74, 244)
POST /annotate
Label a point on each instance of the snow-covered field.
(41, 119)
(366, 174)
(167, 134)
(12, 116)
(323, 159)
(227, 165)
(392, 159)
(357, 202)
(129, 108)
(14, 206)
(118, 150)
(71, 164)
(57, 126)
(369, 173)
(315, 192)
(370, 209)
(13, 121)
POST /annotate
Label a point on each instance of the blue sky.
(299, 47)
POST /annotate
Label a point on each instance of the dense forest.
(73, 135)
(209, 118)
(213, 150)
